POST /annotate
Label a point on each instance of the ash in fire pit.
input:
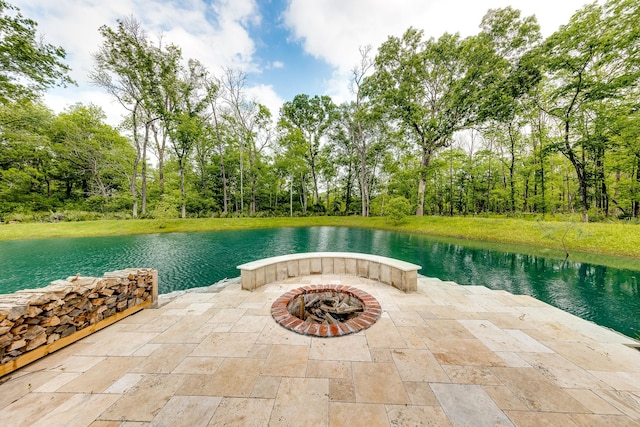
(326, 310)
(328, 307)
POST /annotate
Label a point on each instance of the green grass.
(537, 237)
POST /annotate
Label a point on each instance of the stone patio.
(445, 355)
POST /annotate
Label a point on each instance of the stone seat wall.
(397, 273)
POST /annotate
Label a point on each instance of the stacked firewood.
(326, 308)
(34, 317)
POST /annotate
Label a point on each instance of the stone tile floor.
(446, 355)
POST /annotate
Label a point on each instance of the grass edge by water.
(613, 244)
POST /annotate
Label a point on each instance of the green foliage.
(306, 120)
(166, 208)
(397, 209)
(28, 66)
(498, 123)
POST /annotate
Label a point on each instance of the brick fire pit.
(370, 314)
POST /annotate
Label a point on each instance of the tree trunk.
(225, 197)
(512, 167)
(315, 180)
(422, 184)
(582, 182)
(225, 206)
(542, 186)
(364, 190)
(421, 187)
(160, 148)
(349, 187)
(451, 185)
(489, 176)
(143, 192)
(252, 180)
(183, 208)
(241, 179)
(304, 195)
(134, 173)
(101, 187)
(636, 202)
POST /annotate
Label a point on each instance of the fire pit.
(326, 310)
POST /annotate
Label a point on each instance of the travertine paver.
(467, 404)
(445, 355)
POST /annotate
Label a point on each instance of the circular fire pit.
(328, 310)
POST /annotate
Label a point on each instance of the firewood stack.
(325, 307)
(31, 318)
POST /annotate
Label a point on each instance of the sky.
(285, 47)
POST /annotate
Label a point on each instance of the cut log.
(325, 307)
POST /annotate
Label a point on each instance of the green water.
(605, 295)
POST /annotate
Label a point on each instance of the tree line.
(502, 122)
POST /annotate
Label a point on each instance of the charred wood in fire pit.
(326, 307)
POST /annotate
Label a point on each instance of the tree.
(362, 123)
(311, 117)
(592, 59)
(432, 88)
(397, 209)
(191, 96)
(28, 65)
(138, 75)
(217, 131)
(26, 161)
(512, 39)
(91, 150)
(251, 124)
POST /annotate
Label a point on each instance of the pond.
(605, 295)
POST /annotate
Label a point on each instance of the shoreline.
(609, 244)
(164, 299)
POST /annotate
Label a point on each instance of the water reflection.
(608, 296)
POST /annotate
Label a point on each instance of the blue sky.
(282, 60)
(285, 47)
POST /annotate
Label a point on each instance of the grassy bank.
(614, 239)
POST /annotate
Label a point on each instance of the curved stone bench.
(400, 274)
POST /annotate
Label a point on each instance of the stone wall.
(33, 319)
(394, 272)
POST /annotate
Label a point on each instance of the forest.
(502, 122)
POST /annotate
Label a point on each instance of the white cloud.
(59, 100)
(333, 30)
(212, 32)
(215, 32)
(267, 96)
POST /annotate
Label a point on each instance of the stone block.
(396, 278)
(327, 265)
(374, 270)
(270, 273)
(248, 279)
(385, 274)
(339, 266)
(316, 265)
(351, 266)
(292, 268)
(260, 277)
(304, 267)
(410, 281)
(281, 271)
(363, 268)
